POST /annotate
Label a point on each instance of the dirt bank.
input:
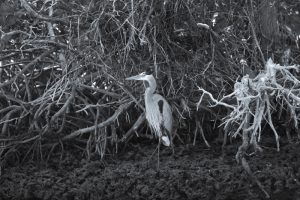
(193, 172)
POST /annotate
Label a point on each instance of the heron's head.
(147, 78)
(141, 77)
(144, 76)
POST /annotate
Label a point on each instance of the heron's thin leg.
(171, 142)
(153, 152)
(172, 147)
(158, 148)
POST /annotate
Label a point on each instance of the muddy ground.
(193, 172)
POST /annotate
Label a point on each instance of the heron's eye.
(143, 73)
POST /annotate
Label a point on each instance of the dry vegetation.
(63, 64)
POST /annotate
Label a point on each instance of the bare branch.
(35, 14)
(25, 68)
(107, 122)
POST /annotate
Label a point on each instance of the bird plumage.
(159, 119)
(158, 110)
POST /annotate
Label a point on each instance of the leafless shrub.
(63, 64)
(256, 101)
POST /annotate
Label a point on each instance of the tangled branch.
(256, 100)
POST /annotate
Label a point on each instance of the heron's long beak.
(137, 77)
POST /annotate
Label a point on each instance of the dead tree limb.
(26, 67)
(134, 128)
(107, 122)
(28, 8)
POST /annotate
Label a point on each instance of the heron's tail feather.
(166, 141)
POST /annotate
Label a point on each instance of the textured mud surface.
(193, 172)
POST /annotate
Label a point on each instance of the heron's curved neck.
(150, 85)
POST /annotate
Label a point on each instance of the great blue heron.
(158, 110)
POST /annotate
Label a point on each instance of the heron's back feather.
(157, 116)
